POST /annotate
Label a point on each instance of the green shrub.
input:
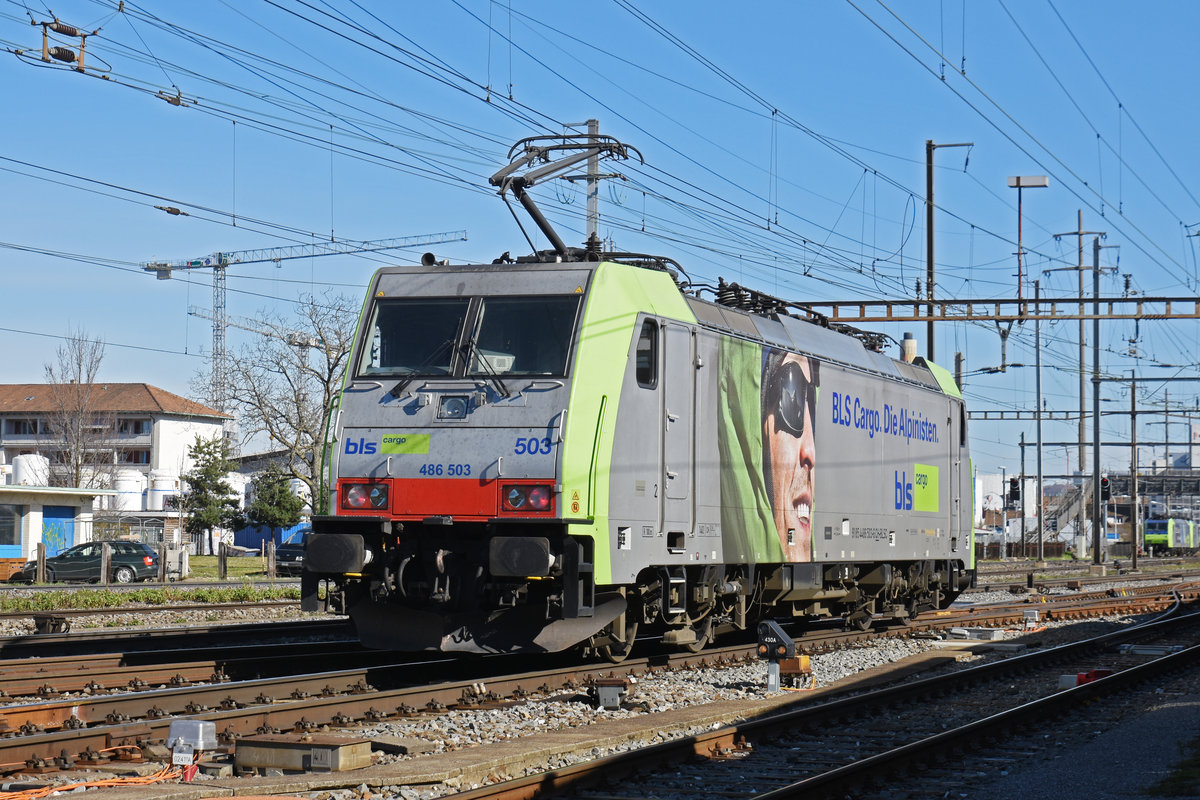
(11, 601)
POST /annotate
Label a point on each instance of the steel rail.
(843, 780)
(340, 698)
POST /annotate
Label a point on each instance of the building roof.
(115, 398)
(57, 490)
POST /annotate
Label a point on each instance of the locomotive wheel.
(616, 652)
(859, 621)
(703, 630)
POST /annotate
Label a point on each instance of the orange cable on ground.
(164, 774)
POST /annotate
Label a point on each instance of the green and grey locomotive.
(566, 449)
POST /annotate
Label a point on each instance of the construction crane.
(219, 261)
(293, 338)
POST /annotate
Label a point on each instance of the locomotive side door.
(954, 504)
(678, 443)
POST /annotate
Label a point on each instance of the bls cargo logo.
(903, 492)
(391, 444)
(919, 494)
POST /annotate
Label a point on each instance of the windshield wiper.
(405, 381)
(483, 360)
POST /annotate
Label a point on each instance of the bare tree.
(286, 380)
(79, 426)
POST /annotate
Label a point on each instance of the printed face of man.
(788, 430)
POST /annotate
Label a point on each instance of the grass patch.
(158, 596)
(205, 567)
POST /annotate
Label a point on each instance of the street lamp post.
(1020, 182)
(1133, 468)
(929, 148)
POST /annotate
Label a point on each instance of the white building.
(143, 431)
(56, 517)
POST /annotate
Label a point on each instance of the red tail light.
(529, 499)
(365, 495)
(539, 498)
(148, 561)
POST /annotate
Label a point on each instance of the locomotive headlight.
(527, 498)
(365, 495)
(453, 407)
(378, 495)
(356, 496)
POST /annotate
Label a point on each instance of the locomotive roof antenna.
(559, 153)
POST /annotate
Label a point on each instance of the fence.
(997, 550)
(151, 530)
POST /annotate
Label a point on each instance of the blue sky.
(783, 145)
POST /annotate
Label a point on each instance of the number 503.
(532, 446)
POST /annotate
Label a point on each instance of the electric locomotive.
(562, 450)
(1170, 536)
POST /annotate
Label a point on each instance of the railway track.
(197, 638)
(1041, 580)
(73, 613)
(859, 746)
(140, 670)
(50, 731)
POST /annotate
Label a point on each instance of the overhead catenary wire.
(705, 221)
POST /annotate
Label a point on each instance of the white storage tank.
(301, 490)
(31, 469)
(239, 483)
(162, 484)
(130, 485)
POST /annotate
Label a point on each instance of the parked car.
(130, 561)
(289, 555)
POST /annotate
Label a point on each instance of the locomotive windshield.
(475, 337)
(414, 337)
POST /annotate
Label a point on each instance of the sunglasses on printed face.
(797, 397)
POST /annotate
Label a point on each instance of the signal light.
(539, 498)
(527, 498)
(1014, 489)
(1105, 489)
(365, 495)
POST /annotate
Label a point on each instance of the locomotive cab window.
(523, 336)
(646, 355)
(413, 337)
(478, 337)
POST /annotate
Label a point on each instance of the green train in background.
(1170, 536)
(577, 446)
